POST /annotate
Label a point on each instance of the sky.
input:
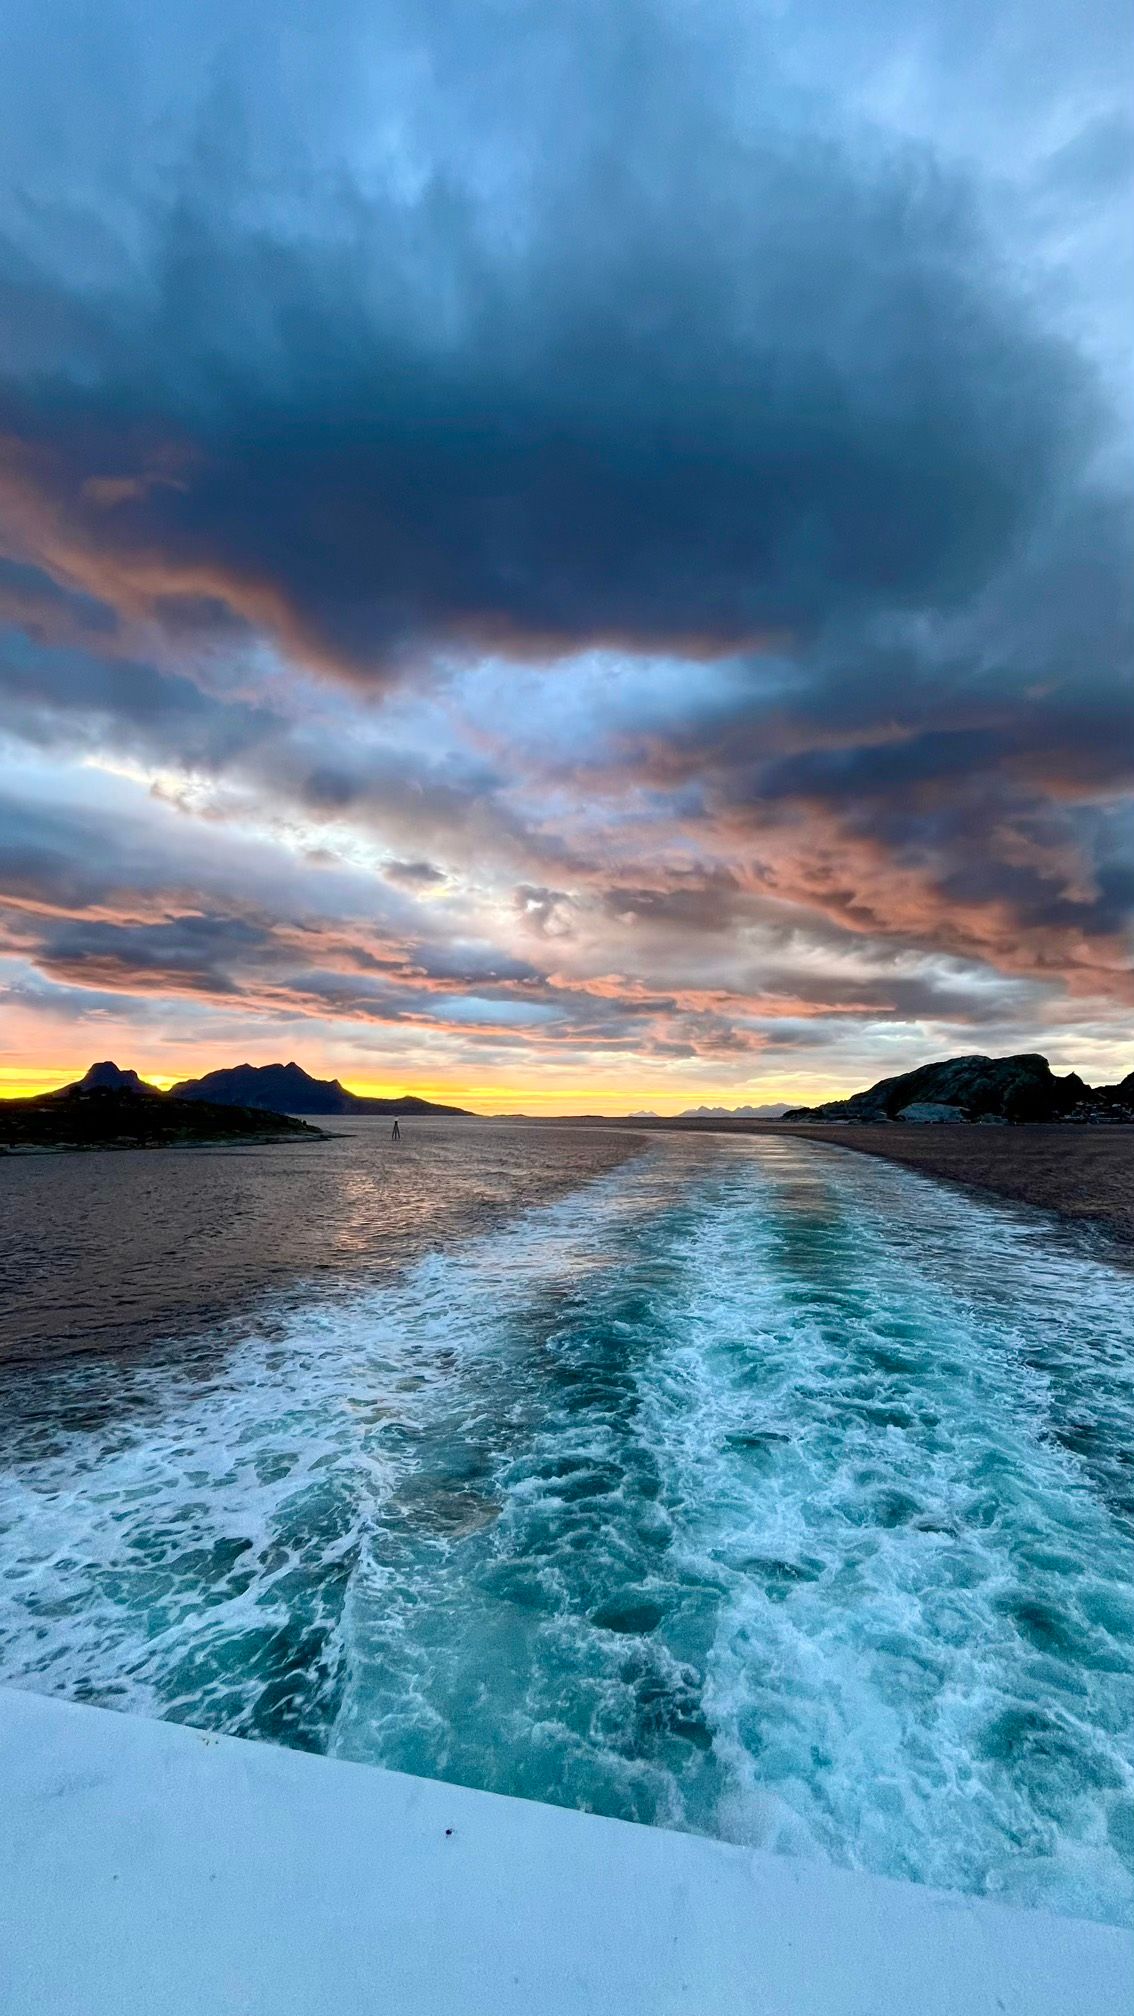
(573, 557)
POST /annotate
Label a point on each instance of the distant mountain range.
(261, 1088)
(980, 1089)
(983, 1089)
(287, 1088)
(775, 1112)
(112, 1108)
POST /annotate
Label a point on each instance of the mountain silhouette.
(110, 1108)
(981, 1089)
(108, 1078)
(287, 1088)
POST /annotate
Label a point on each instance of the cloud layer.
(556, 554)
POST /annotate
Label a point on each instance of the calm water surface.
(727, 1484)
(112, 1251)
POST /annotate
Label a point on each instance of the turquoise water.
(749, 1487)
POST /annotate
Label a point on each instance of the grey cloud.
(186, 954)
(64, 698)
(1098, 160)
(415, 874)
(47, 611)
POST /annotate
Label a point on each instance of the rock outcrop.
(979, 1089)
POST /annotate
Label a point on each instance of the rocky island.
(109, 1108)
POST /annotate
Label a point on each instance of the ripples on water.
(747, 1487)
(109, 1251)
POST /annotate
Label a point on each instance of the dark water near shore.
(732, 1484)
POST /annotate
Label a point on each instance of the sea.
(731, 1484)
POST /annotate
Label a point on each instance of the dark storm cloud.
(680, 381)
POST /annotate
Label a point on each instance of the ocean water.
(736, 1485)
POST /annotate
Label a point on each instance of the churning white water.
(748, 1487)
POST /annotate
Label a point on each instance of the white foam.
(749, 1489)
